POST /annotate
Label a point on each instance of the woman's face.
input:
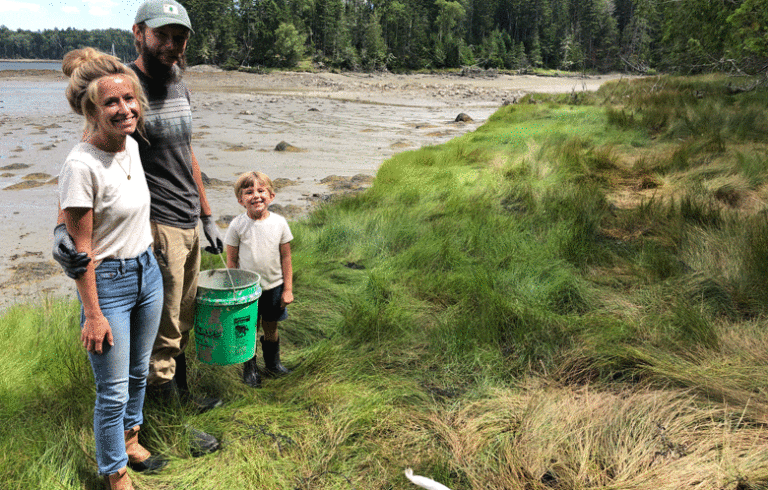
(117, 108)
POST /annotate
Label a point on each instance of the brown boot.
(119, 480)
(139, 459)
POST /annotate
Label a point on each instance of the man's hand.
(211, 232)
(73, 262)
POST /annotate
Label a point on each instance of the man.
(161, 31)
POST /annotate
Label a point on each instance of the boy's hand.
(286, 298)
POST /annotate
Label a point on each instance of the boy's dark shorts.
(269, 305)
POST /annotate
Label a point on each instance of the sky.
(38, 15)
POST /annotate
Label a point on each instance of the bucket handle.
(229, 274)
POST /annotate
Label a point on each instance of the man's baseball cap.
(158, 13)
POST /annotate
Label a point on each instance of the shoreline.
(339, 128)
(25, 60)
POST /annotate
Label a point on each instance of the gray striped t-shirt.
(167, 155)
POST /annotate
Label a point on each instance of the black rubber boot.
(201, 443)
(251, 375)
(272, 365)
(201, 404)
(163, 395)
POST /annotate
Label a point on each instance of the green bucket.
(225, 317)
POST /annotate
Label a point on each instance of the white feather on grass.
(424, 482)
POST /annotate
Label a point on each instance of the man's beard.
(162, 72)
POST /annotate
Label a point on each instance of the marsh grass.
(573, 296)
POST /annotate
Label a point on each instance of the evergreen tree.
(289, 45)
(214, 23)
(750, 37)
(374, 50)
(536, 58)
(573, 54)
(396, 26)
(638, 33)
(695, 33)
(449, 18)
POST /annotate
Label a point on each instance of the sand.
(334, 129)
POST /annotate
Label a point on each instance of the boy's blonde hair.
(249, 179)
(85, 67)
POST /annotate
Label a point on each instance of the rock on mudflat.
(16, 166)
(225, 220)
(214, 182)
(289, 211)
(27, 184)
(280, 182)
(284, 146)
(37, 176)
(29, 272)
(463, 118)
(355, 183)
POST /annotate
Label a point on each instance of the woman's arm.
(285, 264)
(96, 330)
(233, 262)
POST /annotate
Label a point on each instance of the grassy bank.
(573, 296)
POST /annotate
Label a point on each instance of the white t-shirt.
(95, 179)
(258, 243)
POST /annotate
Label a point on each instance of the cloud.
(99, 11)
(100, 8)
(11, 6)
(100, 4)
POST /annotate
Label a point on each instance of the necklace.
(128, 173)
(89, 138)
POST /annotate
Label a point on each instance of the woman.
(105, 204)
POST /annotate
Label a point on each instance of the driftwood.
(760, 82)
(475, 71)
(639, 67)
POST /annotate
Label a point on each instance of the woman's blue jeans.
(131, 299)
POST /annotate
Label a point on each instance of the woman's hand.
(95, 331)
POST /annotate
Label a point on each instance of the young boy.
(259, 241)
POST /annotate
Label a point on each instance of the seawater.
(30, 65)
(27, 98)
(20, 98)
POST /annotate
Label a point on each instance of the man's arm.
(197, 175)
(210, 229)
(64, 252)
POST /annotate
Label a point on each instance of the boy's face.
(256, 199)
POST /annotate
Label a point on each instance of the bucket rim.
(256, 279)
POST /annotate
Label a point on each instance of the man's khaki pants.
(178, 254)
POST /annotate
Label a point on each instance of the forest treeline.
(687, 36)
(52, 44)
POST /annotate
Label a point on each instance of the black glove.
(211, 231)
(73, 262)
